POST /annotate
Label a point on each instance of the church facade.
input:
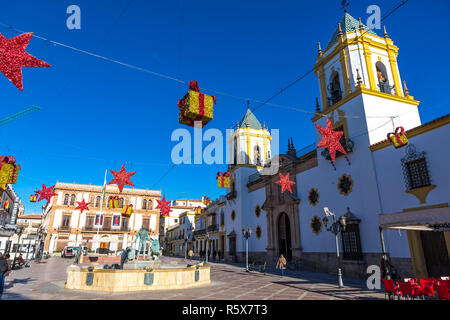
(395, 200)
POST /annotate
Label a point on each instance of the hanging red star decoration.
(45, 193)
(330, 139)
(122, 178)
(13, 57)
(82, 206)
(164, 206)
(285, 183)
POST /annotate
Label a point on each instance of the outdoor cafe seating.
(425, 288)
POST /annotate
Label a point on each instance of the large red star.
(330, 139)
(164, 206)
(82, 206)
(285, 183)
(13, 57)
(46, 193)
(122, 178)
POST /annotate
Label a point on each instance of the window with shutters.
(65, 221)
(146, 224)
(72, 199)
(66, 199)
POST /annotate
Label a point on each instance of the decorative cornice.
(360, 90)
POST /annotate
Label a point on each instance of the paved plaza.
(45, 281)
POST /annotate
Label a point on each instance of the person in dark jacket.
(4, 269)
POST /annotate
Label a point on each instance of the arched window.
(66, 199)
(97, 201)
(150, 204)
(72, 199)
(144, 204)
(121, 203)
(334, 88)
(383, 80)
(257, 155)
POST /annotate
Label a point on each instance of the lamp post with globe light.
(336, 227)
(247, 232)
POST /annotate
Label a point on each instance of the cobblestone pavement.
(46, 281)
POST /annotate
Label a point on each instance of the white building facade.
(395, 200)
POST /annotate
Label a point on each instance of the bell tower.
(359, 76)
(250, 143)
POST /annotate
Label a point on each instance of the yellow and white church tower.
(249, 144)
(360, 79)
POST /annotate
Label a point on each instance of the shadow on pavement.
(11, 284)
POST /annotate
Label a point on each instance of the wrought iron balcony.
(64, 228)
(231, 195)
(199, 232)
(213, 227)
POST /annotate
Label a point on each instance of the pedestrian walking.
(219, 254)
(214, 254)
(281, 264)
(4, 271)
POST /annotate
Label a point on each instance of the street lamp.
(185, 245)
(335, 228)
(247, 232)
(207, 246)
(19, 231)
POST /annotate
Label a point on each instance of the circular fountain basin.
(166, 277)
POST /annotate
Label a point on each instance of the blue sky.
(97, 115)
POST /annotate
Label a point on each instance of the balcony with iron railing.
(64, 228)
(213, 227)
(107, 229)
(231, 195)
(199, 232)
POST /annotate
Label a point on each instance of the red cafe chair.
(390, 288)
(407, 290)
(442, 291)
(427, 287)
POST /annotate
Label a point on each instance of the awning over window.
(427, 219)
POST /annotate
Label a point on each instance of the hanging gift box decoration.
(398, 138)
(8, 171)
(196, 106)
(113, 202)
(223, 179)
(127, 211)
(33, 198)
(6, 205)
(206, 200)
(198, 210)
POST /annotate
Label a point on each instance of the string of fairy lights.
(260, 103)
